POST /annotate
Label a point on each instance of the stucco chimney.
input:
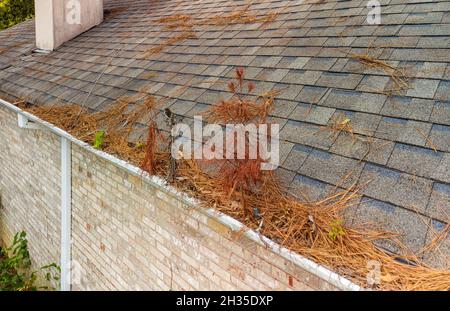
(58, 21)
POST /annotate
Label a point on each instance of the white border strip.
(306, 264)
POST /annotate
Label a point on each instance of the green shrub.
(15, 11)
(15, 268)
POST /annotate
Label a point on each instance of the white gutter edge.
(308, 265)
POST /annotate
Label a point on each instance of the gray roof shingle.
(400, 145)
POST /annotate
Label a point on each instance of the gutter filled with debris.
(27, 120)
(315, 230)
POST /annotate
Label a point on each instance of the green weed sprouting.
(336, 230)
(99, 139)
(15, 268)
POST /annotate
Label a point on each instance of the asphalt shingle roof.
(400, 145)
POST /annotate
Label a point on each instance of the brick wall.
(30, 188)
(128, 232)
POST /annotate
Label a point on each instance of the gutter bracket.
(26, 123)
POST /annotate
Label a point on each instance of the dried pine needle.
(186, 24)
(397, 75)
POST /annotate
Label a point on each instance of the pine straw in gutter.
(314, 230)
(305, 229)
(117, 122)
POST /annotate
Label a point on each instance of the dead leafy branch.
(240, 174)
(149, 162)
